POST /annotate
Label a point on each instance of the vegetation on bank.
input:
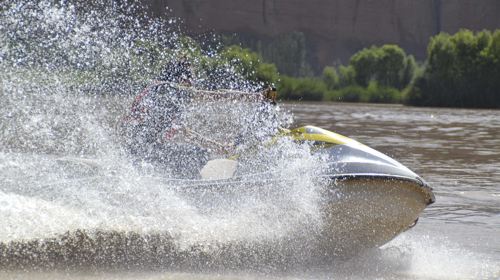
(461, 70)
(375, 74)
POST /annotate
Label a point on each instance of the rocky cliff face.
(335, 29)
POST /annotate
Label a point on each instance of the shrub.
(352, 93)
(382, 94)
(330, 77)
(461, 70)
(251, 65)
(311, 89)
(388, 65)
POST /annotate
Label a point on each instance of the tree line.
(460, 70)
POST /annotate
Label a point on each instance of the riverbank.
(460, 70)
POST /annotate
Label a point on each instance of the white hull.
(363, 213)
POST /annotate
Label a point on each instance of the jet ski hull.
(362, 212)
(371, 198)
(368, 200)
(358, 212)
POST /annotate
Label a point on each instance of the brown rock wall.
(336, 29)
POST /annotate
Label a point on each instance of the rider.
(155, 112)
(155, 117)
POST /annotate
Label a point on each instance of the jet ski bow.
(371, 197)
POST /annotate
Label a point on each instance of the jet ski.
(369, 199)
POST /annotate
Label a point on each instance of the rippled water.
(456, 151)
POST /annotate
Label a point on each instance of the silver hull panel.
(367, 211)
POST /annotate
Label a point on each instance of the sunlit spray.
(72, 194)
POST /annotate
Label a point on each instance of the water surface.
(456, 151)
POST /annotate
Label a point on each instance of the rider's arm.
(206, 95)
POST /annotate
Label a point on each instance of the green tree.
(491, 74)
(391, 66)
(388, 65)
(347, 76)
(461, 71)
(441, 66)
(330, 77)
(364, 64)
(250, 65)
(410, 70)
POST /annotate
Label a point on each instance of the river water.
(458, 237)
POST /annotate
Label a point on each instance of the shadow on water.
(129, 251)
(130, 256)
(134, 251)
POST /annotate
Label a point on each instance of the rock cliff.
(335, 29)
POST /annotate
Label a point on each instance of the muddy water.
(458, 237)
